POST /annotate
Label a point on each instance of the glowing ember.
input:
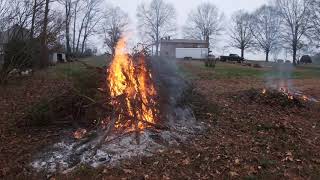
(264, 91)
(290, 97)
(132, 89)
(305, 98)
(80, 133)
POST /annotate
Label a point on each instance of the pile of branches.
(70, 109)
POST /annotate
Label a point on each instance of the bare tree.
(91, 17)
(296, 16)
(76, 8)
(314, 34)
(4, 14)
(240, 32)
(21, 12)
(156, 20)
(55, 30)
(36, 9)
(43, 39)
(205, 22)
(114, 24)
(266, 29)
(92, 20)
(67, 7)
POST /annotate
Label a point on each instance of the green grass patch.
(84, 80)
(237, 71)
(198, 70)
(98, 61)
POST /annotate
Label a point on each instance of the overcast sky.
(183, 7)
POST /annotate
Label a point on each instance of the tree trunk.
(157, 39)
(157, 48)
(83, 44)
(267, 56)
(74, 27)
(68, 8)
(79, 35)
(44, 48)
(294, 55)
(242, 52)
(34, 11)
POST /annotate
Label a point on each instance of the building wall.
(169, 48)
(53, 57)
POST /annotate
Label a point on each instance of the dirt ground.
(19, 143)
(247, 138)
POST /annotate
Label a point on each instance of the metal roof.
(184, 41)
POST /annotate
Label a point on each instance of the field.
(248, 136)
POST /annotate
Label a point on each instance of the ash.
(70, 153)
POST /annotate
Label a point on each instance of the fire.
(286, 92)
(305, 98)
(264, 91)
(132, 89)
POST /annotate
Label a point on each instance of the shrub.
(19, 55)
(306, 59)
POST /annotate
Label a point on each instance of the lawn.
(227, 70)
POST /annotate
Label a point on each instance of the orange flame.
(130, 79)
(264, 91)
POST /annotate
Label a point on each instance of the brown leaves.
(186, 161)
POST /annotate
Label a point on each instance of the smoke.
(280, 76)
(171, 90)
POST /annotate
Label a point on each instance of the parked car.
(232, 57)
(280, 61)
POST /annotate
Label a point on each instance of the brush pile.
(271, 97)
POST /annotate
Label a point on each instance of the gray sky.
(183, 7)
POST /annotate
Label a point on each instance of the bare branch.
(156, 21)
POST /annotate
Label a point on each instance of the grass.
(197, 70)
(221, 71)
(83, 78)
(98, 61)
(227, 71)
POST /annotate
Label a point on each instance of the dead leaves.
(289, 157)
(186, 161)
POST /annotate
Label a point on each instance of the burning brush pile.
(133, 92)
(282, 97)
(144, 115)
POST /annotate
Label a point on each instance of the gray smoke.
(280, 76)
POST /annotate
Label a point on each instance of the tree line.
(66, 23)
(290, 25)
(39, 26)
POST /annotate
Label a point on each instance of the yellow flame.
(131, 79)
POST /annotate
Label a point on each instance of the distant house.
(182, 48)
